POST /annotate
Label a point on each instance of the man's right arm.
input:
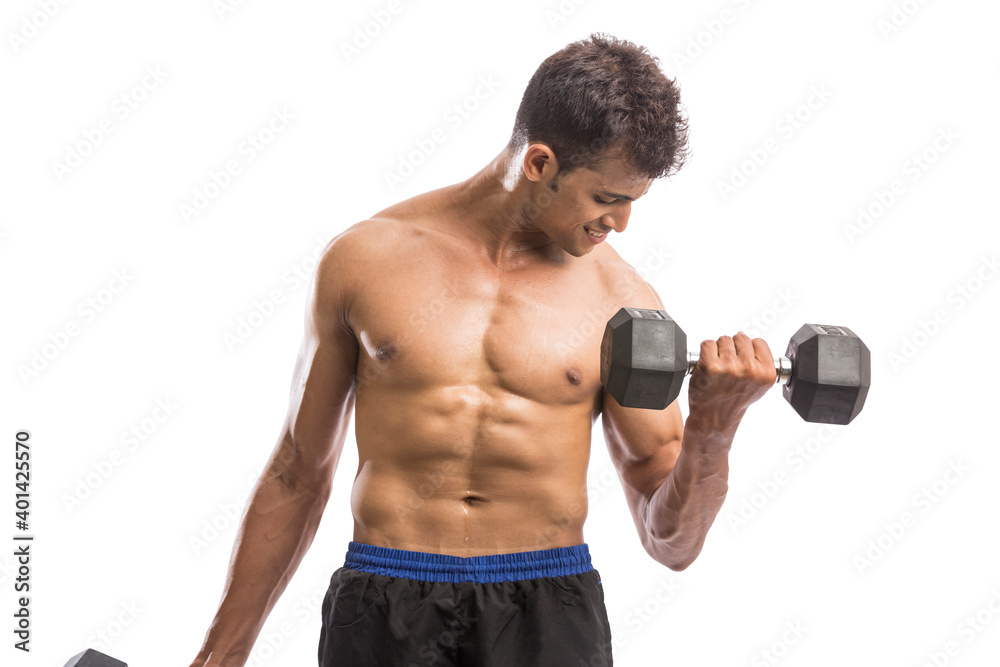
(287, 503)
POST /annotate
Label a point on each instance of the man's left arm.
(675, 474)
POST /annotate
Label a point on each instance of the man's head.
(578, 209)
(597, 124)
(604, 97)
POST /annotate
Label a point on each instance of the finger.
(763, 354)
(709, 350)
(745, 351)
(727, 349)
(762, 351)
(707, 354)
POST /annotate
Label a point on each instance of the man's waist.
(492, 568)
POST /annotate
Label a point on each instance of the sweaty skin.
(478, 384)
(462, 327)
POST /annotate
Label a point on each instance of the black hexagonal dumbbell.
(92, 658)
(825, 373)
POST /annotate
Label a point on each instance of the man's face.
(587, 204)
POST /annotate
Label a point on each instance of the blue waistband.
(478, 569)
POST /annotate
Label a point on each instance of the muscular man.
(463, 328)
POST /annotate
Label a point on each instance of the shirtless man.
(463, 328)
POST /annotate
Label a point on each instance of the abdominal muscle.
(469, 471)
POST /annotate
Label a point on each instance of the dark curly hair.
(599, 97)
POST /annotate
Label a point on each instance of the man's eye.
(601, 201)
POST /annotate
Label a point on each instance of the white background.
(119, 553)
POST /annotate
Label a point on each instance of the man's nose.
(618, 220)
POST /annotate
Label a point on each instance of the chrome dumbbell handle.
(782, 367)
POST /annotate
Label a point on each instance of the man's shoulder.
(363, 250)
(370, 239)
(623, 282)
(353, 258)
(363, 235)
(386, 231)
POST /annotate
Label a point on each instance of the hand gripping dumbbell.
(825, 373)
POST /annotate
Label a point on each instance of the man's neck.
(492, 204)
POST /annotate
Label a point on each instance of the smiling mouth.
(593, 233)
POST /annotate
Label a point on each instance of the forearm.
(681, 510)
(276, 531)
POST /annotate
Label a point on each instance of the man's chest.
(534, 333)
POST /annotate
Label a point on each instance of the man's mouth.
(596, 235)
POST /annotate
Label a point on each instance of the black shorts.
(392, 608)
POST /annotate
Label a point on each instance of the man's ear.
(540, 164)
